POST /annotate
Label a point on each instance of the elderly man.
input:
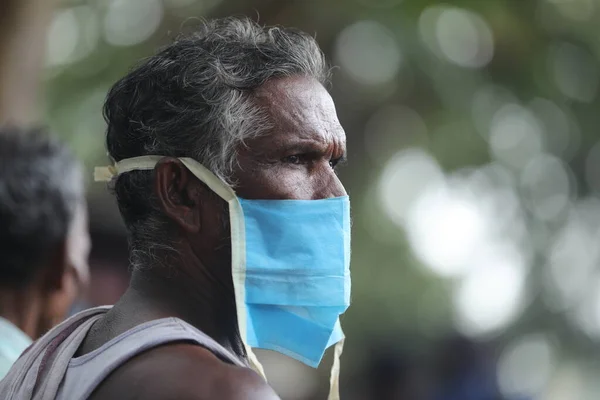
(44, 240)
(226, 144)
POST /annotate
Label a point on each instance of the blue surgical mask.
(297, 274)
(290, 268)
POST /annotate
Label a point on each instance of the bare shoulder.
(182, 371)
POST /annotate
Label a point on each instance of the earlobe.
(177, 193)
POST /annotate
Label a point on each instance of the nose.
(329, 186)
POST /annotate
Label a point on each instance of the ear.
(179, 193)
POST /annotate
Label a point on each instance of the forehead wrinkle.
(303, 113)
(307, 122)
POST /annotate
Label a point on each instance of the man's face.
(296, 159)
(76, 272)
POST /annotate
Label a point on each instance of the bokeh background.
(474, 171)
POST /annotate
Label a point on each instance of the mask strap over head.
(238, 246)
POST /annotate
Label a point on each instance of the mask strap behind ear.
(106, 174)
(334, 380)
(238, 245)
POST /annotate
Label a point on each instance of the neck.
(193, 295)
(22, 307)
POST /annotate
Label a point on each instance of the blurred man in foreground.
(44, 240)
(226, 144)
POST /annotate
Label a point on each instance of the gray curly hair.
(194, 98)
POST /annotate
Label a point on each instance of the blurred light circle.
(516, 136)
(490, 297)
(498, 175)
(73, 35)
(465, 38)
(457, 35)
(129, 22)
(561, 133)
(595, 290)
(89, 24)
(389, 129)
(405, 176)
(368, 52)
(541, 233)
(446, 226)
(427, 27)
(592, 168)
(574, 254)
(462, 223)
(525, 366)
(575, 71)
(577, 10)
(546, 185)
(495, 187)
(486, 101)
(567, 383)
(584, 314)
(62, 38)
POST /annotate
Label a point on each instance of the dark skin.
(295, 160)
(45, 301)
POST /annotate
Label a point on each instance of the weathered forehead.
(300, 108)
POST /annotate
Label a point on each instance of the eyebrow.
(309, 146)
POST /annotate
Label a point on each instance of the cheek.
(279, 182)
(318, 181)
(60, 301)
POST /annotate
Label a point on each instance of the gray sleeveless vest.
(48, 370)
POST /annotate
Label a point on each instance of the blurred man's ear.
(77, 247)
(60, 293)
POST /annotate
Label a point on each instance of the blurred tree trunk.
(23, 32)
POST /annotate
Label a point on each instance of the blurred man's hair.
(41, 184)
(194, 98)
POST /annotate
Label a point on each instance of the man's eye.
(333, 163)
(295, 159)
